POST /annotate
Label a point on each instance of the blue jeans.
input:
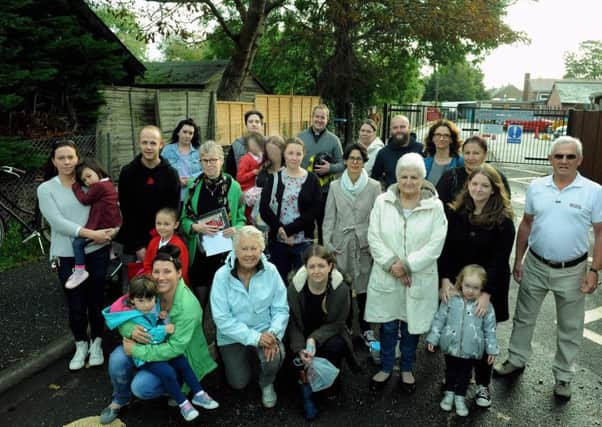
(127, 380)
(169, 372)
(287, 258)
(79, 245)
(407, 346)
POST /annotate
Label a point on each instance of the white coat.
(417, 242)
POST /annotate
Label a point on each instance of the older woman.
(481, 231)
(372, 143)
(250, 311)
(346, 219)
(442, 145)
(406, 234)
(319, 302)
(292, 211)
(185, 313)
(67, 217)
(211, 191)
(183, 154)
(452, 181)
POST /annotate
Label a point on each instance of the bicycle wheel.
(2, 231)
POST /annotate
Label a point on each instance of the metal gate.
(514, 135)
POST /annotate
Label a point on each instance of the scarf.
(350, 189)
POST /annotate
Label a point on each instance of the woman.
(183, 154)
(442, 145)
(452, 181)
(370, 141)
(293, 212)
(406, 234)
(350, 200)
(481, 231)
(319, 302)
(188, 339)
(248, 303)
(211, 191)
(274, 161)
(67, 217)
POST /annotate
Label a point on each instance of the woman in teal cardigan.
(188, 339)
(211, 191)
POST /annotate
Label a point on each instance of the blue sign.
(515, 132)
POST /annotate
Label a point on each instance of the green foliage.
(177, 49)
(586, 63)
(14, 151)
(51, 64)
(459, 81)
(13, 253)
(123, 22)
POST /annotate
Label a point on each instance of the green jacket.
(237, 212)
(188, 339)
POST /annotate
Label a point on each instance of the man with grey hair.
(401, 142)
(554, 234)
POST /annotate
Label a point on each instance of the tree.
(177, 49)
(459, 81)
(586, 63)
(123, 22)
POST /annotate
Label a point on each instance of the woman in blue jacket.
(442, 149)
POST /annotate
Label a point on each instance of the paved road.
(56, 397)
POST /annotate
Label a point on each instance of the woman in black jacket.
(480, 231)
(290, 210)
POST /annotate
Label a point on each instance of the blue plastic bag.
(321, 374)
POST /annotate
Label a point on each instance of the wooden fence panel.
(587, 126)
(230, 120)
(175, 105)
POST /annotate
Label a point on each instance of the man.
(319, 142)
(253, 123)
(559, 210)
(146, 184)
(401, 142)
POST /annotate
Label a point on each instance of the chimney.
(527, 87)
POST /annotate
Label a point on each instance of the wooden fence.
(587, 126)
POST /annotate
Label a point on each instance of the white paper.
(217, 244)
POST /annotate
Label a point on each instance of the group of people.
(428, 255)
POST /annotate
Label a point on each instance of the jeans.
(169, 372)
(79, 244)
(407, 345)
(287, 258)
(85, 302)
(238, 359)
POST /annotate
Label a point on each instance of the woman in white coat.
(345, 227)
(406, 235)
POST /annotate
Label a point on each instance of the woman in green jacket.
(209, 193)
(188, 339)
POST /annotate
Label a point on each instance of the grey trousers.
(564, 283)
(240, 361)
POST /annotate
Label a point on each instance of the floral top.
(289, 210)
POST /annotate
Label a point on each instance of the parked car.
(534, 125)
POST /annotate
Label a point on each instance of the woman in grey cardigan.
(67, 217)
(345, 227)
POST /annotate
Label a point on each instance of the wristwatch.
(594, 270)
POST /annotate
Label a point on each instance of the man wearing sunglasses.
(559, 211)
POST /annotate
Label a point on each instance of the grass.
(13, 253)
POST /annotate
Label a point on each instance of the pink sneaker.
(77, 278)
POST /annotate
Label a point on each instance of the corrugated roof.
(577, 91)
(185, 73)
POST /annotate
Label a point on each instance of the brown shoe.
(507, 369)
(562, 390)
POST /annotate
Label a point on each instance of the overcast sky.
(554, 26)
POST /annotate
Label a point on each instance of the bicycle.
(32, 222)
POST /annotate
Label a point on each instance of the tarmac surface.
(35, 337)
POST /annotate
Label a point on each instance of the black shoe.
(379, 385)
(408, 388)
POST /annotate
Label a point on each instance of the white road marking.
(592, 336)
(591, 316)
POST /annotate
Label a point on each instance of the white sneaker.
(79, 358)
(77, 278)
(268, 396)
(448, 401)
(460, 404)
(96, 356)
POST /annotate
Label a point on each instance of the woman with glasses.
(346, 219)
(210, 192)
(442, 145)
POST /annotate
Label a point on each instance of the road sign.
(515, 132)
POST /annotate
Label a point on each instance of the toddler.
(248, 169)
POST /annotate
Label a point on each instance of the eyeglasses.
(565, 156)
(209, 161)
(353, 159)
(442, 135)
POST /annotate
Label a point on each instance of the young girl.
(142, 307)
(248, 169)
(463, 336)
(104, 212)
(166, 224)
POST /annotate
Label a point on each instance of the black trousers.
(457, 374)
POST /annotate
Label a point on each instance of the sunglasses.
(565, 156)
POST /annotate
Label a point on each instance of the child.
(143, 308)
(166, 223)
(104, 212)
(248, 169)
(463, 336)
